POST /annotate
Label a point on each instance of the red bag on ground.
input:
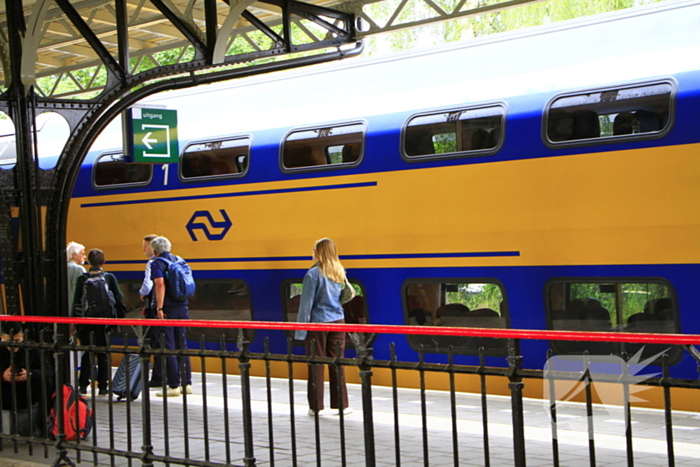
(77, 415)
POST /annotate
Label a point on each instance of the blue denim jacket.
(320, 300)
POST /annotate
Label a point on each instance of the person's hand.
(7, 374)
(143, 297)
(160, 314)
(21, 376)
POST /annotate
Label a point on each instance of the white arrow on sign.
(147, 140)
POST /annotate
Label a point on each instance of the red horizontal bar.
(642, 338)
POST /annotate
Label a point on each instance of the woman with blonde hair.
(320, 303)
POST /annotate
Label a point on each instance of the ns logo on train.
(204, 221)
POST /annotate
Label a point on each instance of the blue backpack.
(179, 281)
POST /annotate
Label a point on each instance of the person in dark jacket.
(26, 385)
(96, 258)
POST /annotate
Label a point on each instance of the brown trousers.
(325, 344)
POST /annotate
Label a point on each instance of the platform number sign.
(151, 136)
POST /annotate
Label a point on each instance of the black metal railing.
(243, 419)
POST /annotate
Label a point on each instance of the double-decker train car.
(541, 179)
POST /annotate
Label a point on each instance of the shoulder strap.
(167, 261)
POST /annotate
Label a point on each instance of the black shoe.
(155, 384)
(83, 389)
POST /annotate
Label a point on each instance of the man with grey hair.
(75, 253)
(167, 308)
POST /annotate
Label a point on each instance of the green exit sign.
(151, 136)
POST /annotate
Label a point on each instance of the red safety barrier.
(642, 338)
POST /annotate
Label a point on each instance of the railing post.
(244, 365)
(147, 448)
(364, 356)
(516, 384)
(61, 451)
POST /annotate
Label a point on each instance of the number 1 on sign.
(165, 174)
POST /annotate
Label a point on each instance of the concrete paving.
(185, 428)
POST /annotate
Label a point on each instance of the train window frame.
(559, 349)
(117, 186)
(452, 110)
(226, 176)
(462, 350)
(300, 343)
(672, 83)
(328, 165)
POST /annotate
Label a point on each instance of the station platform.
(187, 433)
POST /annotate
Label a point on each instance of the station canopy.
(68, 44)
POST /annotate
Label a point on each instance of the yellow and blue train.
(541, 179)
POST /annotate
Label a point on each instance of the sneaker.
(186, 389)
(103, 392)
(171, 392)
(321, 412)
(346, 411)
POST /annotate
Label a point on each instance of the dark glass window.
(454, 133)
(630, 305)
(111, 170)
(220, 300)
(630, 111)
(220, 158)
(355, 310)
(457, 303)
(215, 299)
(328, 146)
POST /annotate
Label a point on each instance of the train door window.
(110, 171)
(456, 303)
(221, 300)
(626, 112)
(336, 146)
(630, 305)
(221, 158)
(355, 310)
(130, 289)
(454, 133)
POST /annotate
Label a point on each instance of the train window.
(454, 133)
(110, 170)
(457, 303)
(221, 158)
(220, 300)
(611, 113)
(630, 305)
(355, 310)
(336, 146)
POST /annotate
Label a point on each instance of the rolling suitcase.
(120, 386)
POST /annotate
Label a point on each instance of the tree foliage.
(525, 16)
